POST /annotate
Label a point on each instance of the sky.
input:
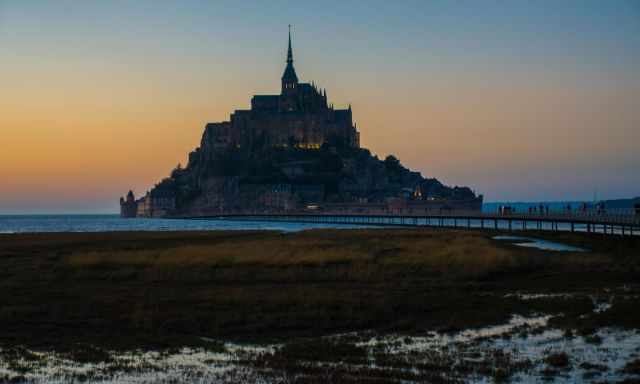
(520, 100)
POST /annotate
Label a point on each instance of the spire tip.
(289, 50)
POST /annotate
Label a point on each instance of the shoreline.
(112, 223)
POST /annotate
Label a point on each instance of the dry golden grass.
(456, 252)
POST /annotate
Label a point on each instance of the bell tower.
(289, 77)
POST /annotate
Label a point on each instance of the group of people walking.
(541, 209)
(510, 210)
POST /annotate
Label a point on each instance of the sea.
(112, 222)
(109, 223)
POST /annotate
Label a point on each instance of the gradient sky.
(520, 100)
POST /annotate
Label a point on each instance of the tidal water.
(522, 344)
(108, 223)
(545, 245)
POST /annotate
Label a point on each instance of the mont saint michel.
(293, 151)
(453, 199)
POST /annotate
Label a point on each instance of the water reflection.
(546, 245)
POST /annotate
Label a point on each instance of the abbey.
(291, 152)
(299, 116)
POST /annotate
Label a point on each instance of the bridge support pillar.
(468, 223)
(481, 223)
(495, 223)
(509, 225)
(572, 227)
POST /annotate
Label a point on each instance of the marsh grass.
(169, 289)
(459, 254)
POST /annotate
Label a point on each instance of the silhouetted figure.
(600, 208)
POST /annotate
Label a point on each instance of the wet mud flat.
(373, 305)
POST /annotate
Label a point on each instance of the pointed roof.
(289, 51)
(289, 74)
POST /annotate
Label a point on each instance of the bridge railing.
(618, 216)
(611, 216)
(623, 216)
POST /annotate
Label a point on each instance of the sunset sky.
(520, 100)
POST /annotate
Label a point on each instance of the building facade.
(299, 116)
(128, 206)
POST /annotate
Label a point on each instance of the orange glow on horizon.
(517, 112)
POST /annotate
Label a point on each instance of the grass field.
(162, 289)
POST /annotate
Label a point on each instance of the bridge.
(623, 222)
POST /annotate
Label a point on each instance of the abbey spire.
(289, 51)
(289, 77)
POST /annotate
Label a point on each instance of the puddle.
(534, 296)
(520, 347)
(522, 344)
(527, 342)
(185, 365)
(546, 245)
